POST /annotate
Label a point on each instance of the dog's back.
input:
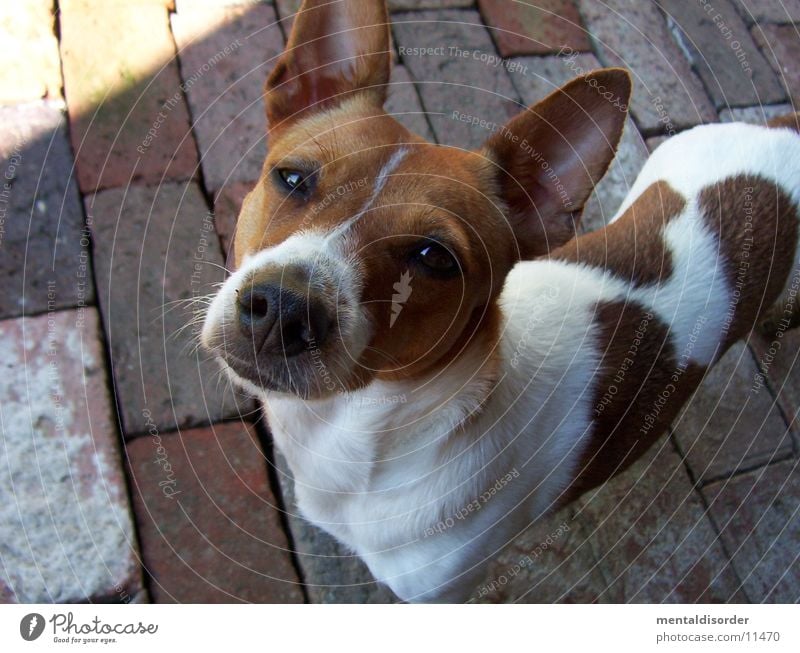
(704, 248)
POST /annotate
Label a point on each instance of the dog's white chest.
(330, 462)
(354, 467)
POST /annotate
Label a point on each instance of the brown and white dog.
(424, 328)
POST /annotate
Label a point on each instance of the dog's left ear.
(336, 48)
(550, 157)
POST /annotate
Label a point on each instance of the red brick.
(41, 219)
(781, 46)
(155, 248)
(642, 43)
(29, 52)
(166, 4)
(769, 11)
(728, 425)
(457, 80)
(67, 529)
(756, 514)
(777, 355)
(538, 28)
(121, 81)
(405, 5)
(225, 56)
(227, 205)
(208, 522)
(653, 539)
(721, 50)
(193, 5)
(287, 8)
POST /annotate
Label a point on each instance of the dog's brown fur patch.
(756, 225)
(632, 247)
(788, 121)
(638, 391)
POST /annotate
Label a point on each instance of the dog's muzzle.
(289, 326)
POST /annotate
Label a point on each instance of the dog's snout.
(281, 320)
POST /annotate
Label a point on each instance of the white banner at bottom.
(403, 628)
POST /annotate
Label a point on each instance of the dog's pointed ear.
(550, 157)
(336, 48)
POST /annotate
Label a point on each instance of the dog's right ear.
(550, 156)
(336, 48)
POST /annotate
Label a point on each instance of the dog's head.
(366, 252)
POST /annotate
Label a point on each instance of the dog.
(427, 332)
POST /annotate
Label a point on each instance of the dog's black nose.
(281, 321)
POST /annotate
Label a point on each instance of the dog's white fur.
(379, 467)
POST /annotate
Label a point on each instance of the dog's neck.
(444, 399)
(359, 443)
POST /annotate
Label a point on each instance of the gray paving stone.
(757, 514)
(455, 80)
(721, 50)
(667, 93)
(403, 103)
(41, 220)
(778, 356)
(728, 425)
(652, 536)
(537, 77)
(155, 247)
(67, 529)
(552, 562)
(769, 11)
(756, 115)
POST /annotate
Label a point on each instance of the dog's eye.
(437, 258)
(295, 180)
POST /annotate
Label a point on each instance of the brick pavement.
(129, 135)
